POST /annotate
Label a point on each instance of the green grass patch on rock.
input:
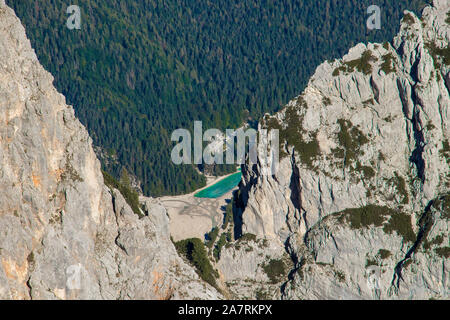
(371, 262)
(195, 252)
(367, 171)
(247, 237)
(364, 217)
(228, 218)
(408, 19)
(362, 64)
(275, 270)
(435, 242)
(326, 101)
(400, 223)
(220, 244)
(388, 63)
(440, 55)
(443, 252)
(445, 151)
(446, 207)
(293, 134)
(399, 183)
(212, 237)
(340, 275)
(384, 254)
(124, 186)
(379, 216)
(351, 139)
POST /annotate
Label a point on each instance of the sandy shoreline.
(192, 217)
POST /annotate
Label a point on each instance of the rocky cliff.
(359, 207)
(63, 233)
(361, 200)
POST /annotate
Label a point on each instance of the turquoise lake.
(220, 188)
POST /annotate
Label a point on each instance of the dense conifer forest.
(137, 70)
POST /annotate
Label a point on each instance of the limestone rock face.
(248, 272)
(370, 133)
(63, 233)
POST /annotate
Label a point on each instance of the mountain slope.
(364, 179)
(63, 233)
